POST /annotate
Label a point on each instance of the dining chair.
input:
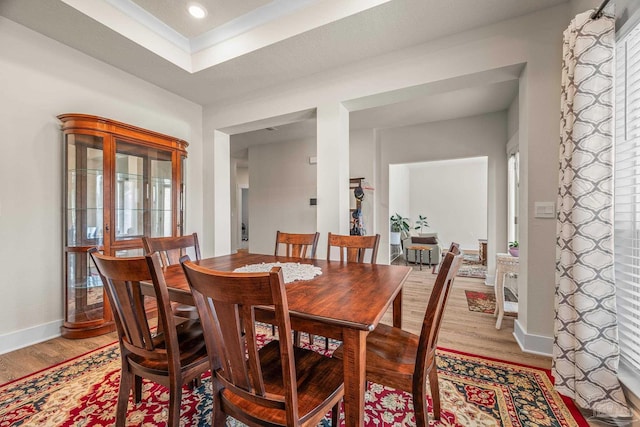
(276, 385)
(173, 357)
(351, 249)
(354, 248)
(297, 245)
(405, 361)
(170, 250)
(453, 248)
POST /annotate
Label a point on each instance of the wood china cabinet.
(121, 183)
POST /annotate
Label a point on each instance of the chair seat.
(320, 380)
(391, 356)
(192, 349)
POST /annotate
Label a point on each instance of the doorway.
(451, 194)
(244, 218)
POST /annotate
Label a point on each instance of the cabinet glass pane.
(128, 253)
(84, 289)
(84, 190)
(143, 200)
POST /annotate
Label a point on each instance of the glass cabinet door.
(84, 227)
(143, 192)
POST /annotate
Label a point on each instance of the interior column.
(217, 199)
(333, 172)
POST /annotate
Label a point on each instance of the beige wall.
(33, 95)
(281, 182)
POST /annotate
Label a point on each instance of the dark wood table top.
(351, 295)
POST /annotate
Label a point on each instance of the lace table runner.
(291, 271)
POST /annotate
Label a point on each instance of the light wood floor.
(461, 330)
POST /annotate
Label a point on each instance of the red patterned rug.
(475, 391)
(485, 302)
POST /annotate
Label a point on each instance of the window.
(627, 199)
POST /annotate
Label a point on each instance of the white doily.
(291, 271)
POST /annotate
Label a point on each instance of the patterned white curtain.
(585, 353)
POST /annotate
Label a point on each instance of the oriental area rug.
(485, 302)
(474, 391)
(472, 267)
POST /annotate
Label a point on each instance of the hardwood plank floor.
(461, 330)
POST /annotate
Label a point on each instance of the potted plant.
(514, 248)
(421, 223)
(398, 226)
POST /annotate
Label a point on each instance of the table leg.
(420, 255)
(355, 347)
(499, 296)
(397, 310)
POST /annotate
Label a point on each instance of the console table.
(505, 263)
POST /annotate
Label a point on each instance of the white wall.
(399, 196)
(452, 194)
(281, 182)
(534, 40)
(31, 307)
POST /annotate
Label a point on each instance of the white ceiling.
(245, 46)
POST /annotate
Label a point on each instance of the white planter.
(394, 238)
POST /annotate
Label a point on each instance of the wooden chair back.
(121, 278)
(435, 309)
(175, 355)
(454, 248)
(226, 303)
(297, 245)
(172, 248)
(354, 248)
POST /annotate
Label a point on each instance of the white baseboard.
(530, 343)
(26, 337)
(490, 280)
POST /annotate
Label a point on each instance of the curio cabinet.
(121, 182)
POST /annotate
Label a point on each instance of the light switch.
(545, 210)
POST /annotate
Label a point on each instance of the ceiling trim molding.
(247, 22)
(266, 25)
(156, 25)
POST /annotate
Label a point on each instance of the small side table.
(418, 254)
(505, 263)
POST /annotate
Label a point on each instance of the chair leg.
(126, 384)
(435, 392)
(195, 383)
(175, 398)
(137, 389)
(218, 417)
(421, 409)
(335, 415)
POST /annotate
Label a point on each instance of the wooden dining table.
(345, 302)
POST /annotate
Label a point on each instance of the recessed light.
(196, 10)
